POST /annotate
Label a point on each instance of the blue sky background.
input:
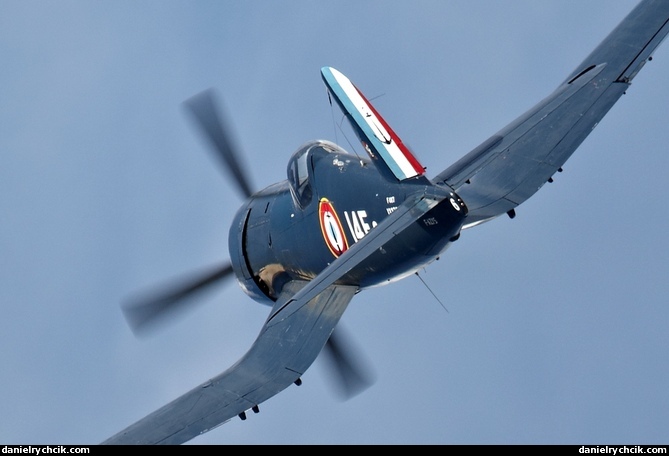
(556, 330)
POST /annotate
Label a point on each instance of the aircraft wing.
(412, 209)
(509, 167)
(293, 335)
(278, 357)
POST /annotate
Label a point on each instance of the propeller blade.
(350, 375)
(144, 312)
(203, 108)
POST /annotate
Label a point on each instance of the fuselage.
(331, 200)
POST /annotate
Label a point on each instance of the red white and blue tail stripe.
(379, 140)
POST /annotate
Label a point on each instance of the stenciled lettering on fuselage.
(333, 232)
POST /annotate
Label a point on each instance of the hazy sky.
(556, 330)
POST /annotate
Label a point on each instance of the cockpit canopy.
(301, 166)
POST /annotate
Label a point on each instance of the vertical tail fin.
(382, 144)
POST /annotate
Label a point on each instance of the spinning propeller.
(145, 312)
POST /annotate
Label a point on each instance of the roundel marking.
(331, 228)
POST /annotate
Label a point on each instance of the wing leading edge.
(495, 177)
(513, 164)
(294, 333)
(278, 357)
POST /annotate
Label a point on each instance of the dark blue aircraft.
(340, 223)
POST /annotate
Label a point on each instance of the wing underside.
(513, 164)
(492, 179)
(295, 332)
(279, 356)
